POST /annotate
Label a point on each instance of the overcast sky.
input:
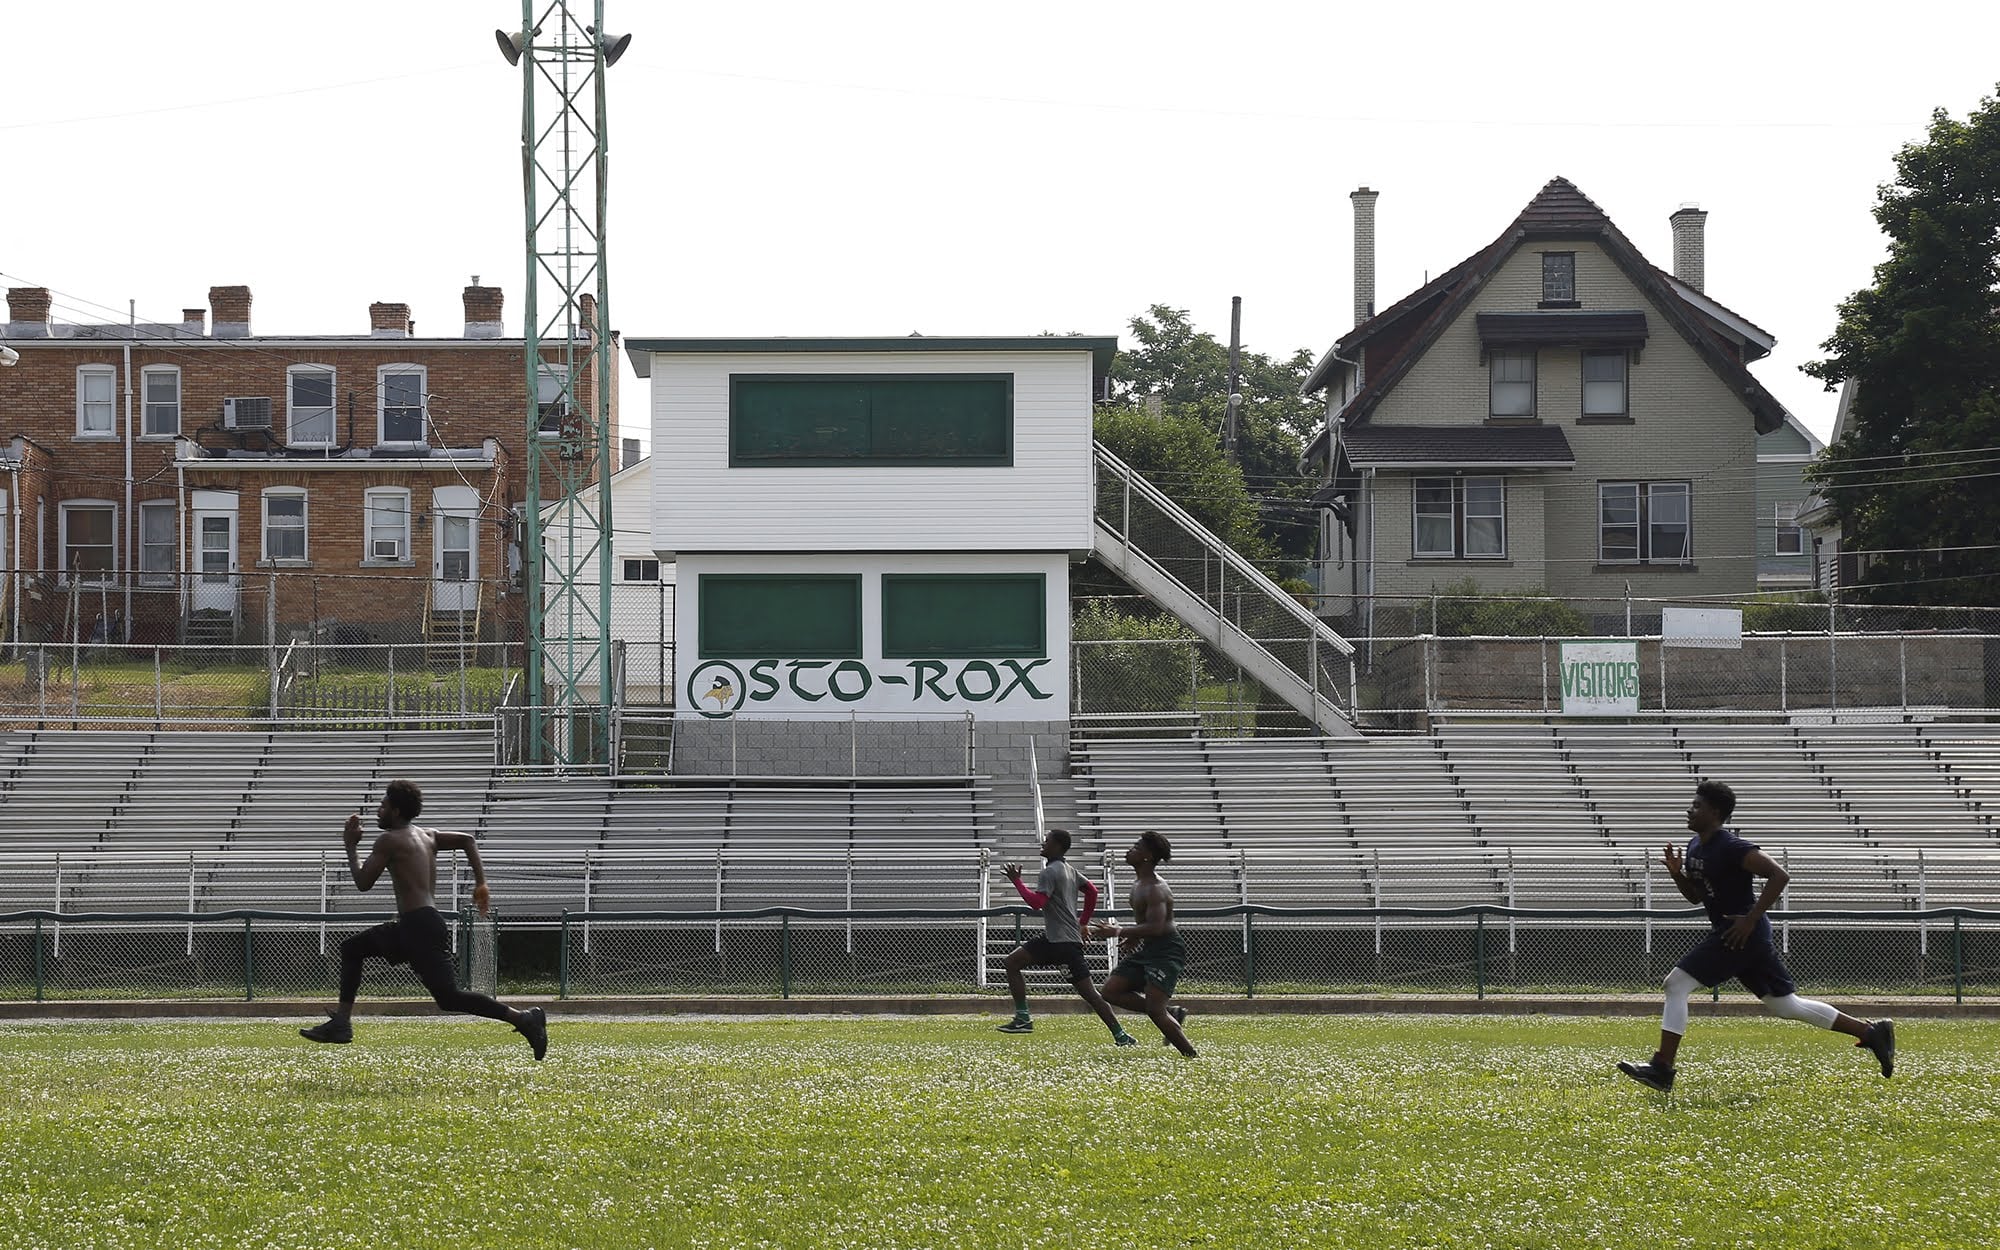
(883, 168)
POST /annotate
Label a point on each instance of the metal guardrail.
(1481, 950)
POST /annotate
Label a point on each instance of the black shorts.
(1755, 963)
(1043, 953)
(418, 938)
(1157, 962)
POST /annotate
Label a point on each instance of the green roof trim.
(1101, 349)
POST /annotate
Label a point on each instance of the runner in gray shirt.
(1061, 943)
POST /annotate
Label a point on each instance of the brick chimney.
(389, 321)
(1364, 253)
(1690, 248)
(586, 314)
(231, 306)
(482, 311)
(194, 320)
(28, 312)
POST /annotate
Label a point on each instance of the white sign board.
(1600, 678)
(1702, 627)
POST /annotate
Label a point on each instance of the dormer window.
(1559, 280)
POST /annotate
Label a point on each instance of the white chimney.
(1364, 253)
(1690, 251)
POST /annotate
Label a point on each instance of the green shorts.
(1158, 962)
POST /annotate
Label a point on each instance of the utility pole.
(1235, 394)
(564, 153)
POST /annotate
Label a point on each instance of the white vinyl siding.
(1042, 501)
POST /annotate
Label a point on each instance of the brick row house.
(1551, 415)
(160, 479)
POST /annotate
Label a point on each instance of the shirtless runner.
(1157, 964)
(417, 936)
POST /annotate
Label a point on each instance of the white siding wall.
(1039, 503)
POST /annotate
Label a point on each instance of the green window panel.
(963, 615)
(748, 616)
(789, 420)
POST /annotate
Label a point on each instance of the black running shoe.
(536, 1029)
(337, 1029)
(1880, 1039)
(1651, 1075)
(1180, 1017)
(1019, 1024)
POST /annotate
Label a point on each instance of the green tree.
(1179, 455)
(1922, 347)
(1185, 373)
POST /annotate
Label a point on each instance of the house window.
(1644, 523)
(162, 389)
(1559, 278)
(644, 570)
(1460, 518)
(309, 406)
(284, 524)
(807, 616)
(400, 404)
(1791, 538)
(963, 615)
(89, 546)
(158, 545)
(388, 524)
(1513, 384)
(550, 406)
(1604, 384)
(96, 401)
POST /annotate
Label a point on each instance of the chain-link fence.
(785, 952)
(1504, 654)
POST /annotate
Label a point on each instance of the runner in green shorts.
(1155, 966)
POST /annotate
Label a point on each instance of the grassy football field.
(922, 1132)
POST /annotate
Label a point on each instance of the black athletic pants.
(417, 938)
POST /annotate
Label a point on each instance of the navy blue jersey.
(1727, 887)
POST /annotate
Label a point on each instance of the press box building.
(874, 529)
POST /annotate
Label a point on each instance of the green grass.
(1311, 1132)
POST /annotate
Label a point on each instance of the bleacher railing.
(1480, 951)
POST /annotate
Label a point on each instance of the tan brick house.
(1552, 414)
(161, 479)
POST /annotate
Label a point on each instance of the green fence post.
(249, 963)
(1479, 952)
(1957, 961)
(562, 958)
(38, 959)
(785, 956)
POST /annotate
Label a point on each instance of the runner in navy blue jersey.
(1718, 870)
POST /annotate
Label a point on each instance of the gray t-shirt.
(1062, 884)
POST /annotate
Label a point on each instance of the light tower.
(567, 562)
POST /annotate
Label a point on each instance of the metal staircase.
(1179, 564)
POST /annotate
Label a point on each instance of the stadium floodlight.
(613, 45)
(511, 44)
(8, 356)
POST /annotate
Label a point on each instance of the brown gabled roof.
(1457, 446)
(1559, 210)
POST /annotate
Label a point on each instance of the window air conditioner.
(388, 549)
(246, 413)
